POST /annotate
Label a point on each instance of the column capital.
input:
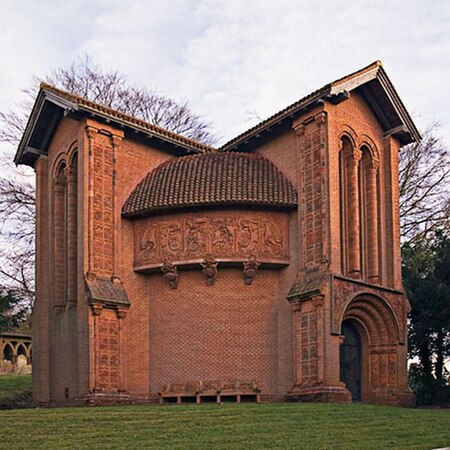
(320, 118)
(374, 164)
(97, 309)
(90, 131)
(121, 312)
(296, 305)
(357, 155)
(299, 129)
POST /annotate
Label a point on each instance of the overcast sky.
(231, 59)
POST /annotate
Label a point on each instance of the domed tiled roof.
(211, 179)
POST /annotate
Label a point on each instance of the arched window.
(349, 206)
(60, 236)
(368, 194)
(359, 205)
(72, 227)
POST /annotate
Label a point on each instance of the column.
(353, 215)
(372, 223)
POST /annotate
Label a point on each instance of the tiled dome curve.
(211, 179)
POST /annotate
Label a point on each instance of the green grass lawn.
(229, 426)
(15, 391)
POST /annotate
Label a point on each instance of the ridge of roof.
(358, 72)
(319, 94)
(128, 119)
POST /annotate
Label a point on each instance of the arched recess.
(59, 222)
(348, 207)
(21, 350)
(8, 352)
(72, 227)
(376, 325)
(369, 213)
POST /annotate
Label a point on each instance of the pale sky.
(231, 59)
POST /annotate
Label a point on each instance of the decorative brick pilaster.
(313, 208)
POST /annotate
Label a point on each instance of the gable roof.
(371, 81)
(374, 85)
(52, 104)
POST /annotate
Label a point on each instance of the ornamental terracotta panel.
(227, 236)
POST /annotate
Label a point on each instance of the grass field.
(15, 391)
(228, 426)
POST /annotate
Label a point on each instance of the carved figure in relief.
(250, 269)
(209, 269)
(273, 239)
(196, 235)
(248, 231)
(222, 236)
(148, 245)
(170, 273)
(171, 242)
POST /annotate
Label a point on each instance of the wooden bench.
(210, 391)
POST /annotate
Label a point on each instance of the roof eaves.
(79, 103)
(289, 111)
(43, 96)
(398, 105)
(146, 128)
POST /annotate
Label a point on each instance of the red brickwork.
(129, 303)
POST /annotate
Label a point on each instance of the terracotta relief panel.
(227, 236)
(312, 144)
(108, 352)
(102, 173)
(383, 369)
(309, 347)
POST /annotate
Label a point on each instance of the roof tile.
(211, 179)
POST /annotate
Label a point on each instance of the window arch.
(59, 216)
(359, 210)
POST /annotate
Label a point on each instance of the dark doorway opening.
(350, 360)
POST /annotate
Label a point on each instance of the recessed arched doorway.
(351, 359)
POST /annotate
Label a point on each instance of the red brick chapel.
(264, 270)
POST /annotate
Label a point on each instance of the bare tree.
(113, 90)
(424, 185)
(87, 80)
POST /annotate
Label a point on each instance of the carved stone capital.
(374, 164)
(320, 118)
(121, 312)
(357, 155)
(299, 129)
(97, 309)
(91, 132)
(296, 306)
(317, 301)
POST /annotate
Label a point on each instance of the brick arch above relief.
(229, 236)
(344, 289)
